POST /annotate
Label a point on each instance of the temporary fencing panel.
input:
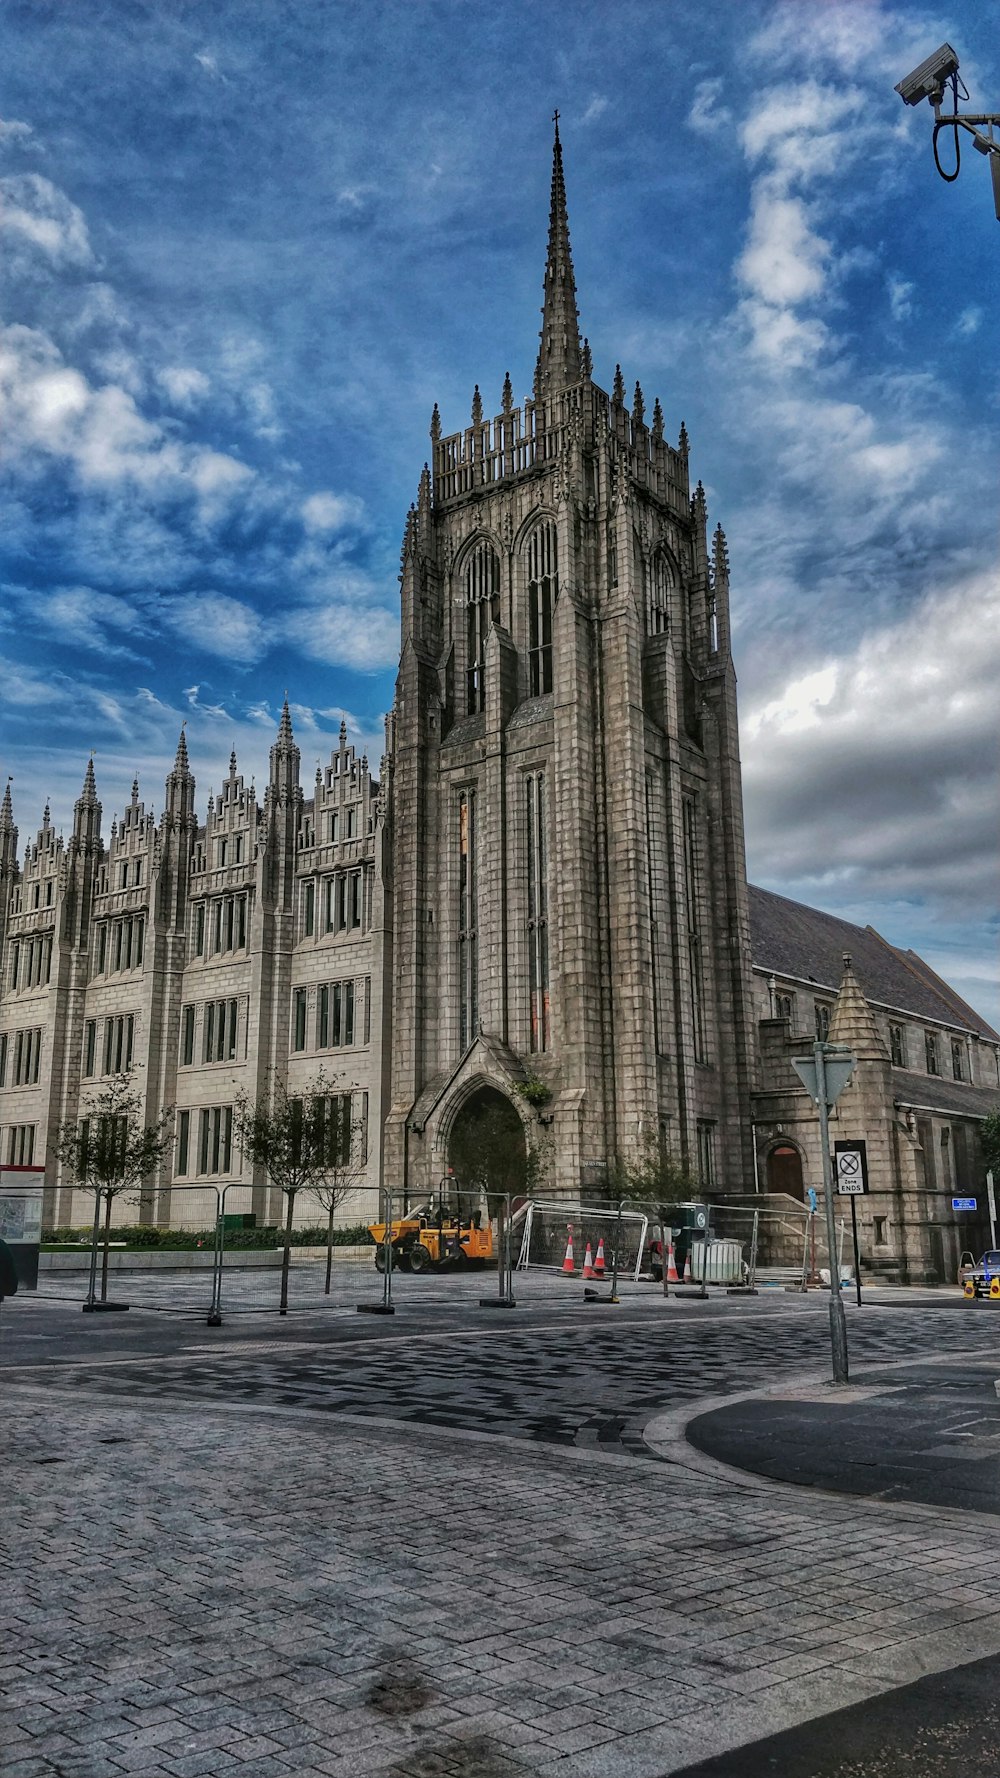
(783, 1243)
(556, 1236)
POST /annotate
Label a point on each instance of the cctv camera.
(927, 81)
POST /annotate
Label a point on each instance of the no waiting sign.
(851, 1168)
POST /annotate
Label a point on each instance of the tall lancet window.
(482, 604)
(542, 583)
(538, 912)
(468, 937)
(660, 582)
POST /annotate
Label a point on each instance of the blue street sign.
(963, 1203)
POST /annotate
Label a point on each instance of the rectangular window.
(783, 1004)
(20, 1145)
(821, 1016)
(468, 960)
(355, 899)
(706, 1155)
(216, 926)
(334, 1129)
(15, 959)
(3, 1059)
(897, 1046)
(341, 903)
(368, 1009)
(538, 935)
(48, 895)
(238, 849)
(931, 1052)
(348, 1013)
(350, 821)
(183, 1139)
(308, 908)
(215, 1139)
(692, 911)
(208, 1032)
(137, 872)
(223, 849)
(231, 1026)
(333, 827)
(323, 1017)
(27, 1053)
(187, 1036)
(299, 1020)
(880, 1228)
(123, 875)
(89, 1047)
(541, 556)
(957, 1059)
(199, 930)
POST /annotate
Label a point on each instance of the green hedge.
(147, 1235)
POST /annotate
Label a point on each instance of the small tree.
(109, 1152)
(654, 1180)
(989, 1142)
(347, 1165)
(294, 1139)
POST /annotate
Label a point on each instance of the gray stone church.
(537, 913)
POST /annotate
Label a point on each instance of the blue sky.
(246, 247)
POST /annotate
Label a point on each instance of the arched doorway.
(486, 1146)
(784, 1171)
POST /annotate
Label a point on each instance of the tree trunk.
(329, 1248)
(94, 1243)
(107, 1239)
(286, 1253)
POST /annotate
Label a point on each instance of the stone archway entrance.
(784, 1171)
(486, 1146)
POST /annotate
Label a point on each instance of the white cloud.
(706, 114)
(900, 295)
(213, 623)
(969, 321)
(184, 386)
(597, 107)
(365, 638)
(784, 260)
(325, 512)
(36, 215)
(48, 407)
(875, 769)
(12, 130)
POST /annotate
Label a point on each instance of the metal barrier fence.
(782, 1243)
(225, 1250)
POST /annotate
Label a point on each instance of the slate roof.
(788, 938)
(931, 1093)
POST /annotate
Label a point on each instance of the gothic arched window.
(660, 581)
(482, 604)
(542, 583)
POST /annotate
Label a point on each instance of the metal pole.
(753, 1250)
(215, 1312)
(613, 1298)
(91, 1298)
(993, 1207)
(857, 1256)
(838, 1321)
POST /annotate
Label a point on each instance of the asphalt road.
(944, 1726)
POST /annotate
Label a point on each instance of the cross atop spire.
(559, 358)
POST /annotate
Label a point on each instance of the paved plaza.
(454, 1542)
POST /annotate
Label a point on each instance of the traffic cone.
(672, 1277)
(567, 1264)
(599, 1261)
(688, 1274)
(588, 1264)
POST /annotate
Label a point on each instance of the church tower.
(570, 932)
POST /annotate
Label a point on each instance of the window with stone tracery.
(542, 566)
(538, 912)
(468, 936)
(482, 589)
(659, 584)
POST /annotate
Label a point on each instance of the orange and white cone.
(672, 1277)
(599, 1267)
(567, 1264)
(688, 1274)
(588, 1264)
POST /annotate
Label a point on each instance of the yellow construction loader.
(435, 1240)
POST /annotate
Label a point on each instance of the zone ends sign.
(850, 1160)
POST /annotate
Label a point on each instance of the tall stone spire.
(560, 358)
(87, 811)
